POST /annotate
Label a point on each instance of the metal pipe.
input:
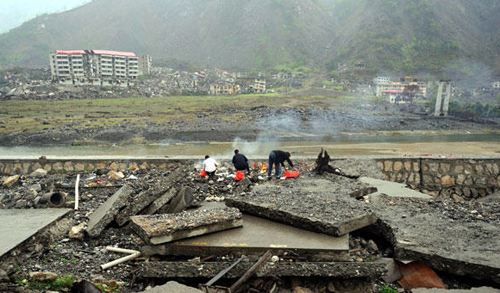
(121, 250)
(55, 199)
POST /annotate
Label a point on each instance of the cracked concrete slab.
(18, 225)
(157, 229)
(447, 236)
(106, 212)
(144, 198)
(345, 270)
(256, 237)
(317, 205)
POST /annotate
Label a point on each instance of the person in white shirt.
(210, 166)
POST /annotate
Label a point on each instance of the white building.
(94, 66)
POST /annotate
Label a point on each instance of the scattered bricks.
(388, 166)
(303, 205)
(68, 166)
(157, 229)
(344, 270)
(107, 211)
(143, 199)
(9, 181)
(180, 202)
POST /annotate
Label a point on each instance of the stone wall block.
(466, 191)
(427, 179)
(388, 166)
(68, 166)
(459, 168)
(481, 181)
(445, 168)
(460, 179)
(433, 168)
(468, 181)
(489, 169)
(8, 168)
(79, 167)
(468, 169)
(407, 165)
(18, 168)
(36, 166)
(416, 166)
(2, 166)
(380, 165)
(447, 180)
(417, 178)
(58, 167)
(399, 177)
(26, 168)
(496, 169)
(123, 166)
(89, 167)
(47, 167)
(144, 166)
(398, 166)
(100, 165)
(479, 170)
(163, 166)
(113, 166)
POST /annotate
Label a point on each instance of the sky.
(14, 12)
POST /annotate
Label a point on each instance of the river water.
(345, 145)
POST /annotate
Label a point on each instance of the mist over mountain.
(413, 36)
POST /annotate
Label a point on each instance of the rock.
(77, 232)
(330, 287)
(43, 276)
(9, 181)
(301, 290)
(372, 246)
(38, 173)
(116, 175)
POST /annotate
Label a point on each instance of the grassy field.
(33, 115)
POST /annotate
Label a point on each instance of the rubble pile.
(172, 219)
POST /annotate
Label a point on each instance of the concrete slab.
(475, 290)
(344, 270)
(180, 202)
(107, 211)
(18, 225)
(157, 229)
(457, 238)
(256, 237)
(392, 189)
(140, 201)
(160, 202)
(316, 205)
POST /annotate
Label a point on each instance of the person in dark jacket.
(240, 162)
(278, 158)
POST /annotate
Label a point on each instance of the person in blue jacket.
(278, 158)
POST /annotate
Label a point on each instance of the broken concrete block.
(453, 238)
(77, 232)
(180, 202)
(107, 211)
(160, 202)
(393, 273)
(43, 276)
(164, 228)
(9, 181)
(173, 286)
(140, 201)
(317, 205)
(38, 173)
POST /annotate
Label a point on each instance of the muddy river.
(416, 145)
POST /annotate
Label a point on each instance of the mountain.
(411, 36)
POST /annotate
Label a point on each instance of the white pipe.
(121, 250)
(120, 260)
(76, 191)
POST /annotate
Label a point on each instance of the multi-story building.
(102, 67)
(145, 64)
(405, 90)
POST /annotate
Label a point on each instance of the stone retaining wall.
(458, 178)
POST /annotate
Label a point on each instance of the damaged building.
(406, 90)
(97, 67)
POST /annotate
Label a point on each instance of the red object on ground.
(203, 173)
(417, 275)
(239, 176)
(292, 174)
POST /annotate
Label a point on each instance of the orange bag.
(292, 174)
(239, 176)
(203, 173)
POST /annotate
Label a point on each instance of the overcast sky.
(14, 12)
